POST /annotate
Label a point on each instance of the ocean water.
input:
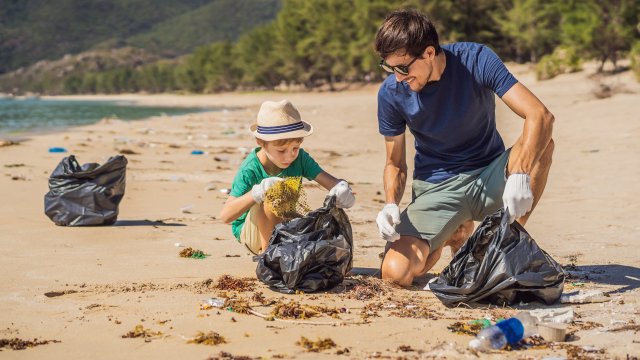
(36, 115)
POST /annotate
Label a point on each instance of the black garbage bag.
(310, 253)
(501, 264)
(87, 194)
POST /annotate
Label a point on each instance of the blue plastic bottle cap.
(512, 329)
(57, 150)
(197, 152)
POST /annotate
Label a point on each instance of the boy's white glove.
(344, 195)
(387, 220)
(259, 190)
(517, 196)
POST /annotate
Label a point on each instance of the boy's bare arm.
(326, 180)
(236, 206)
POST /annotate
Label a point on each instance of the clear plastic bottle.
(505, 332)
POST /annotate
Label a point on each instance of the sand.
(87, 287)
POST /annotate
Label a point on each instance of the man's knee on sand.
(408, 259)
(404, 260)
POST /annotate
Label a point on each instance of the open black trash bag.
(87, 194)
(501, 264)
(310, 253)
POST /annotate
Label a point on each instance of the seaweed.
(19, 344)
(287, 199)
(316, 346)
(193, 253)
(140, 332)
(230, 283)
(295, 310)
(210, 338)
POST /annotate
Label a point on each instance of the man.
(445, 96)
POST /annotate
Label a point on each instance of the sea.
(29, 115)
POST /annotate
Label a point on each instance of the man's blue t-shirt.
(452, 120)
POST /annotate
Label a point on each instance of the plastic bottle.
(505, 332)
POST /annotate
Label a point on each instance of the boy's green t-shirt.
(251, 173)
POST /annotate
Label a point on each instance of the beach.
(87, 287)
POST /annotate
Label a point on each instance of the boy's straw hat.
(278, 120)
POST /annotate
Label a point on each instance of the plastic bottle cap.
(474, 344)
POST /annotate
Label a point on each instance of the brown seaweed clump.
(230, 283)
(140, 331)
(19, 344)
(415, 312)
(371, 310)
(461, 328)
(192, 253)
(223, 355)
(294, 310)
(316, 346)
(575, 352)
(210, 338)
(368, 288)
(240, 306)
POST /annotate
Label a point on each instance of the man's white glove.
(517, 196)
(344, 196)
(259, 190)
(387, 220)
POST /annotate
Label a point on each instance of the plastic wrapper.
(500, 264)
(309, 253)
(85, 195)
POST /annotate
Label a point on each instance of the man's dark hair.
(406, 31)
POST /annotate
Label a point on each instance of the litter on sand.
(584, 296)
(557, 315)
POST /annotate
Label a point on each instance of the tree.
(600, 28)
(532, 25)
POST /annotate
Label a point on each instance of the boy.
(279, 132)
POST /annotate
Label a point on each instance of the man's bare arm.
(395, 169)
(538, 127)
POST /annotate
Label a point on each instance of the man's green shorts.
(437, 210)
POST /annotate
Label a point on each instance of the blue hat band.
(280, 129)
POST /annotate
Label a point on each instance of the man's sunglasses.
(400, 69)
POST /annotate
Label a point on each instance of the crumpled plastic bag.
(310, 253)
(85, 195)
(501, 264)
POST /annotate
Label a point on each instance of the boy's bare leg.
(539, 174)
(267, 221)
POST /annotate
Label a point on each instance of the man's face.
(420, 71)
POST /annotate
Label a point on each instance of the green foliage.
(529, 23)
(220, 20)
(634, 54)
(600, 29)
(39, 29)
(563, 59)
(308, 42)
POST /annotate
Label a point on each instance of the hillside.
(36, 30)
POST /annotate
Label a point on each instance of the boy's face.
(282, 155)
